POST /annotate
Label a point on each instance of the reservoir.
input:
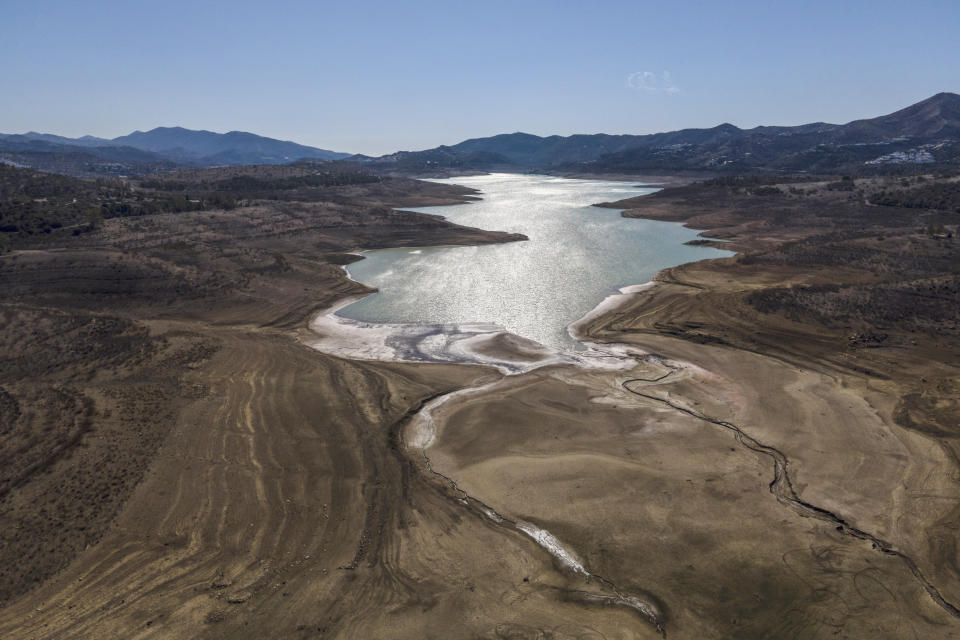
(576, 255)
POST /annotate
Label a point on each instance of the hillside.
(926, 133)
(207, 148)
(33, 203)
(160, 149)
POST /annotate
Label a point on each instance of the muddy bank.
(745, 449)
(291, 495)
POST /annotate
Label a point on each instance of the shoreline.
(289, 490)
(470, 345)
(475, 343)
(425, 431)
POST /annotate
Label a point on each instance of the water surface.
(576, 256)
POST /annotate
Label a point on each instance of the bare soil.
(176, 463)
(767, 470)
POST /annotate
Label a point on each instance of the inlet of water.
(576, 256)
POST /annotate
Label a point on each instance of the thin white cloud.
(652, 82)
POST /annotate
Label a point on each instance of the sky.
(376, 77)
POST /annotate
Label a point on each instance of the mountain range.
(926, 133)
(153, 150)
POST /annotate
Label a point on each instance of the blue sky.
(376, 77)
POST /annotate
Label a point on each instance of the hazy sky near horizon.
(375, 77)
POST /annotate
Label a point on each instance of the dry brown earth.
(204, 474)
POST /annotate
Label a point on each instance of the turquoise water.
(576, 256)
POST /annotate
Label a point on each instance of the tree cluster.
(944, 196)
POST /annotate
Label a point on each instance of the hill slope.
(209, 148)
(145, 151)
(926, 132)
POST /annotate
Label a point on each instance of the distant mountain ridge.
(937, 116)
(234, 147)
(175, 145)
(928, 130)
(86, 141)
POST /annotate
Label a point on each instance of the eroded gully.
(780, 486)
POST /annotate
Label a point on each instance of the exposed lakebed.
(576, 256)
